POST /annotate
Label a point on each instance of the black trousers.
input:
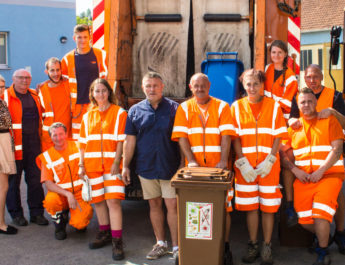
(32, 175)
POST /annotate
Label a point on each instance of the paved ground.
(35, 245)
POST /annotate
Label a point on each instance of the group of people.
(71, 130)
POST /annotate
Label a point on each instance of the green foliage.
(85, 18)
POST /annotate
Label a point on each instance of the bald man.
(25, 109)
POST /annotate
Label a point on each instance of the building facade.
(31, 31)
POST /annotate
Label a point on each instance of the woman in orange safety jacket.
(258, 126)
(281, 83)
(101, 141)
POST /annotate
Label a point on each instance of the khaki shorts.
(154, 188)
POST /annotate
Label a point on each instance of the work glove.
(264, 168)
(246, 169)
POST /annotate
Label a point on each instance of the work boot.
(103, 238)
(339, 239)
(20, 221)
(291, 216)
(39, 220)
(252, 252)
(60, 226)
(315, 243)
(266, 254)
(227, 254)
(323, 257)
(118, 253)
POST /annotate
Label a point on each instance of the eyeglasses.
(23, 77)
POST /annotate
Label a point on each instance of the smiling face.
(200, 87)
(54, 72)
(101, 94)
(21, 80)
(153, 89)
(277, 56)
(82, 40)
(253, 87)
(59, 138)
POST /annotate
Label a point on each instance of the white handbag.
(86, 191)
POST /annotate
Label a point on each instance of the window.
(306, 59)
(319, 52)
(334, 67)
(3, 50)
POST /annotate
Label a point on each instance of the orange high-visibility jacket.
(49, 112)
(65, 172)
(282, 94)
(325, 100)
(257, 136)
(68, 71)
(15, 107)
(204, 139)
(310, 155)
(99, 137)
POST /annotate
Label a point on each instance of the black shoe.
(323, 257)
(102, 238)
(291, 217)
(60, 233)
(20, 221)
(227, 255)
(9, 231)
(81, 231)
(39, 219)
(339, 239)
(117, 249)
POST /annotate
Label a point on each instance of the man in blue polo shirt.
(148, 132)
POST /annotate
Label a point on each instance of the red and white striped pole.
(294, 43)
(98, 24)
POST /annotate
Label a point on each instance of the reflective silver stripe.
(302, 163)
(274, 116)
(289, 81)
(267, 94)
(96, 181)
(69, 185)
(104, 56)
(73, 95)
(75, 136)
(16, 126)
(286, 102)
(246, 188)
(47, 114)
(316, 162)
(319, 148)
(221, 107)
(185, 109)
(208, 149)
(270, 202)
(182, 129)
(72, 80)
(237, 116)
(50, 165)
(286, 116)
(96, 193)
(280, 130)
(74, 156)
(267, 189)
(6, 97)
(116, 128)
(113, 189)
(304, 214)
(18, 147)
(251, 131)
(99, 154)
(82, 140)
(323, 207)
(197, 130)
(300, 151)
(121, 137)
(98, 137)
(230, 193)
(225, 127)
(86, 130)
(246, 201)
(42, 101)
(266, 67)
(76, 125)
(252, 149)
(45, 128)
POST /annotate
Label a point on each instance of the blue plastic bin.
(223, 74)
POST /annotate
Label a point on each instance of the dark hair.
(52, 60)
(281, 45)
(111, 97)
(81, 28)
(260, 75)
(56, 125)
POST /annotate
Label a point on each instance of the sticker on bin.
(199, 218)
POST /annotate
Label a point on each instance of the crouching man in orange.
(59, 172)
(319, 170)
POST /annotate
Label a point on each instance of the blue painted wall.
(34, 36)
(317, 37)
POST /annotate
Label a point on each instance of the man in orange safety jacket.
(317, 147)
(55, 99)
(59, 172)
(202, 128)
(82, 66)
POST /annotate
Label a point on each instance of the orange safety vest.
(48, 112)
(257, 136)
(282, 94)
(15, 107)
(309, 156)
(68, 71)
(65, 172)
(99, 137)
(204, 139)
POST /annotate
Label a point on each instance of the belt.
(5, 131)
